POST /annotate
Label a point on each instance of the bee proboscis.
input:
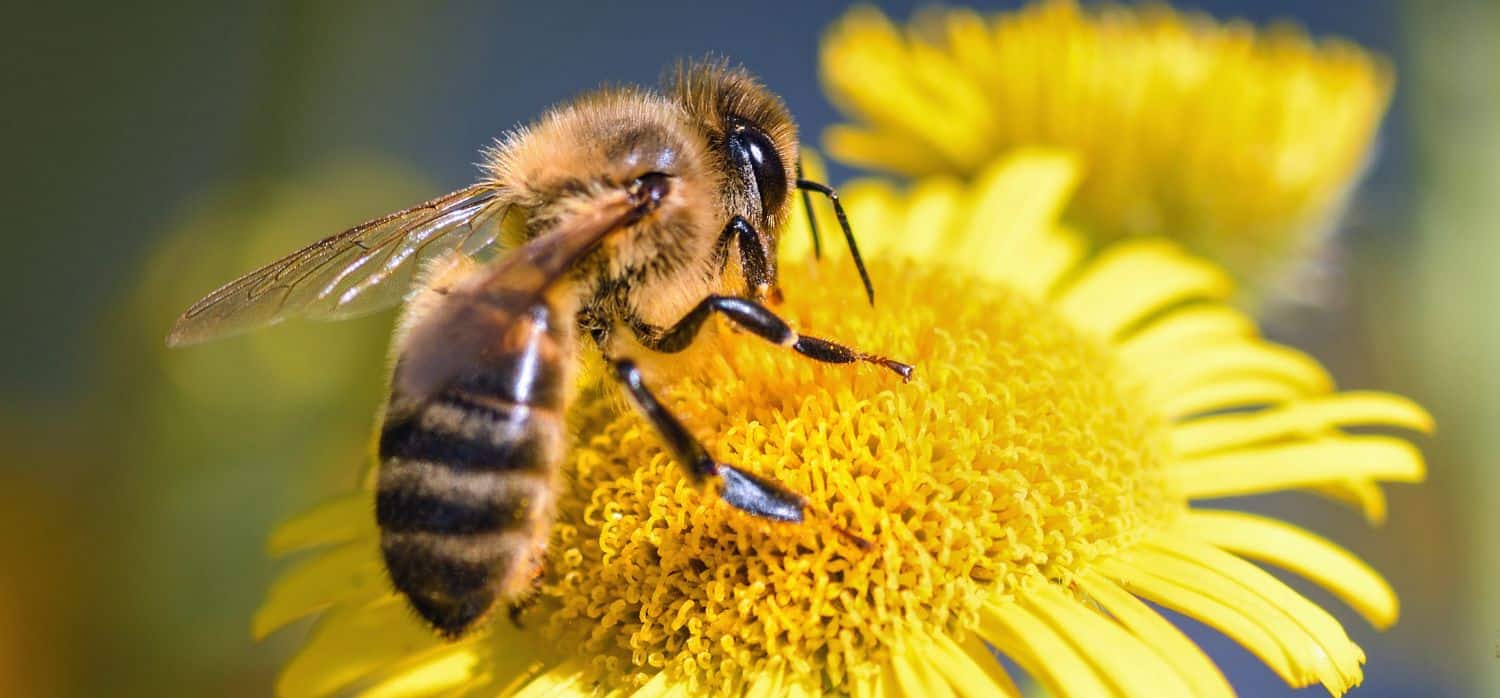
(616, 217)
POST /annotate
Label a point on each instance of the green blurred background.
(157, 151)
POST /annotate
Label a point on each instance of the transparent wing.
(361, 270)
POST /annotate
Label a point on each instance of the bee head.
(752, 140)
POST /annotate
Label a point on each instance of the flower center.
(1015, 454)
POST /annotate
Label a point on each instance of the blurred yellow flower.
(1243, 145)
(1024, 493)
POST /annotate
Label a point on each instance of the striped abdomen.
(468, 475)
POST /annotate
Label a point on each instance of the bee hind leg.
(518, 609)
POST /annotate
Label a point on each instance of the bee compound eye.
(750, 145)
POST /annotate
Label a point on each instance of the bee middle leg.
(759, 320)
(740, 489)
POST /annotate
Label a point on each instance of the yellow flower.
(1243, 145)
(1025, 492)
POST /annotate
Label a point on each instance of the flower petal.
(1141, 580)
(912, 674)
(347, 573)
(766, 685)
(1231, 393)
(1129, 281)
(967, 674)
(1206, 366)
(1118, 656)
(878, 149)
(1179, 652)
(1037, 647)
(1015, 200)
(1365, 495)
(866, 687)
(1309, 416)
(448, 668)
(337, 521)
(1299, 551)
(351, 642)
(931, 209)
(1299, 464)
(1047, 261)
(1183, 329)
(1334, 658)
(564, 680)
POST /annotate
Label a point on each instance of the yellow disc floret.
(1011, 456)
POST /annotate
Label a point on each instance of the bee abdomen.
(464, 500)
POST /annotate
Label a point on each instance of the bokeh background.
(155, 151)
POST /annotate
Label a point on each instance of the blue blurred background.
(155, 151)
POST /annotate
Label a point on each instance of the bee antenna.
(807, 185)
(812, 221)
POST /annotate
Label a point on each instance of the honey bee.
(618, 217)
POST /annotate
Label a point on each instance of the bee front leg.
(755, 261)
(740, 489)
(759, 320)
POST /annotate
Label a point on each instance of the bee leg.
(518, 609)
(738, 488)
(760, 279)
(760, 320)
(520, 606)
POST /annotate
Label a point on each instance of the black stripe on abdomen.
(464, 437)
(403, 510)
(450, 593)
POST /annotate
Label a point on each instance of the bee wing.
(464, 330)
(361, 270)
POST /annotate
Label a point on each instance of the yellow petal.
(1309, 416)
(865, 46)
(1179, 652)
(865, 687)
(657, 687)
(351, 642)
(347, 573)
(1038, 265)
(795, 689)
(1208, 365)
(959, 669)
(1365, 495)
(931, 208)
(1138, 579)
(880, 150)
(1131, 280)
(564, 681)
(1040, 650)
(445, 669)
(1231, 393)
(1182, 330)
(1334, 658)
(337, 521)
(1299, 551)
(912, 675)
(984, 658)
(1015, 200)
(1131, 667)
(767, 684)
(1298, 464)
